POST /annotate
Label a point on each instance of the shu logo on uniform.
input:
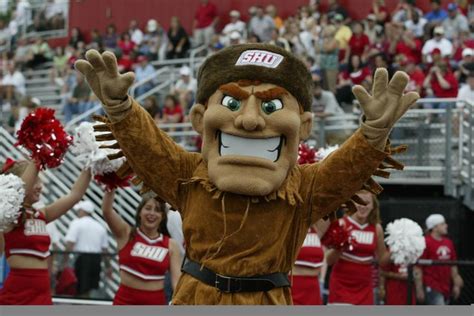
(312, 240)
(259, 58)
(443, 252)
(365, 238)
(149, 252)
(35, 227)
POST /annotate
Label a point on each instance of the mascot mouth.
(265, 148)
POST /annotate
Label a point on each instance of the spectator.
(96, 41)
(235, 25)
(262, 25)
(271, 10)
(466, 93)
(355, 74)
(380, 46)
(151, 106)
(144, 70)
(441, 82)
(379, 10)
(335, 9)
(343, 35)
(136, 35)
(76, 37)
(437, 42)
(416, 23)
(178, 44)
(415, 74)
(280, 41)
(437, 14)
(329, 55)
(20, 112)
(381, 61)
(409, 47)
(40, 53)
(439, 281)
(235, 38)
(14, 82)
(90, 239)
(371, 28)
(155, 37)
(308, 37)
(205, 21)
(404, 11)
(111, 37)
(54, 14)
(185, 88)
(455, 23)
(60, 65)
(172, 112)
(463, 40)
(465, 66)
(23, 14)
(126, 44)
(79, 102)
(359, 44)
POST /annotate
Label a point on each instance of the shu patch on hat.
(259, 58)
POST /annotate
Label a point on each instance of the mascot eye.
(272, 106)
(231, 103)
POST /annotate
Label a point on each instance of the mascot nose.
(250, 118)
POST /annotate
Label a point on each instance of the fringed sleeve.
(332, 184)
(156, 160)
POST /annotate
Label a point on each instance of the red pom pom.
(44, 136)
(112, 181)
(306, 154)
(338, 236)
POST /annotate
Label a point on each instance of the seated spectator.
(136, 35)
(356, 74)
(404, 11)
(437, 42)
(124, 62)
(381, 61)
(4, 34)
(380, 46)
(111, 37)
(96, 41)
(455, 23)
(150, 104)
(155, 37)
(416, 23)
(178, 44)
(262, 25)
(466, 93)
(60, 65)
(465, 66)
(464, 40)
(334, 8)
(359, 44)
(172, 111)
(271, 10)
(13, 82)
(235, 38)
(409, 47)
(280, 41)
(380, 11)
(437, 14)
(343, 35)
(371, 28)
(76, 37)
(40, 53)
(415, 74)
(143, 70)
(329, 58)
(235, 25)
(440, 82)
(80, 100)
(126, 44)
(185, 88)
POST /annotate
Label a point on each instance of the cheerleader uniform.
(146, 259)
(27, 286)
(305, 289)
(351, 276)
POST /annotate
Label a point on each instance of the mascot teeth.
(266, 148)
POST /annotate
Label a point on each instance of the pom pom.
(44, 136)
(12, 194)
(306, 154)
(338, 236)
(112, 181)
(324, 152)
(405, 240)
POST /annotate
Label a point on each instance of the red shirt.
(384, 10)
(438, 277)
(439, 92)
(358, 43)
(469, 43)
(126, 48)
(358, 76)
(416, 80)
(413, 53)
(205, 15)
(173, 111)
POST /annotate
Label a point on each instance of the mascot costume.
(245, 202)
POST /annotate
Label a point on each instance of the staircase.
(39, 85)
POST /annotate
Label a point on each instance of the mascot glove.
(110, 87)
(385, 106)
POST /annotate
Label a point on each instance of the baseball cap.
(371, 17)
(235, 35)
(85, 205)
(452, 6)
(433, 220)
(467, 52)
(436, 51)
(439, 30)
(152, 25)
(185, 71)
(338, 17)
(234, 13)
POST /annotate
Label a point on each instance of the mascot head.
(252, 110)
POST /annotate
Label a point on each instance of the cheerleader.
(146, 253)
(26, 244)
(305, 288)
(351, 276)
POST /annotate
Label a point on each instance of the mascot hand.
(106, 82)
(385, 106)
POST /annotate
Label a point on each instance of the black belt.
(260, 283)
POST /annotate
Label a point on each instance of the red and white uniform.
(305, 289)
(351, 277)
(396, 290)
(27, 286)
(146, 259)
(438, 277)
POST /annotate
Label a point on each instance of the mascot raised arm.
(245, 202)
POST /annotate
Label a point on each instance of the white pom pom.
(406, 241)
(324, 152)
(12, 194)
(87, 150)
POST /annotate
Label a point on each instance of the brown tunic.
(237, 235)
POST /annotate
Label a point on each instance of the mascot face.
(251, 133)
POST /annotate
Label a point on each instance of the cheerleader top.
(311, 253)
(145, 258)
(365, 244)
(29, 237)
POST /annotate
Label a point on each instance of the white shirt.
(175, 228)
(53, 234)
(87, 235)
(190, 86)
(444, 45)
(136, 36)
(238, 26)
(16, 79)
(417, 29)
(465, 93)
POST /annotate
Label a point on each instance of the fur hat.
(261, 62)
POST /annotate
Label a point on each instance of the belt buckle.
(228, 282)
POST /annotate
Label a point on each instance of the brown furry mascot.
(246, 204)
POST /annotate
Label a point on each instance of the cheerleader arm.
(332, 256)
(29, 178)
(175, 262)
(64, 204)
(120, 229)
(383, 255)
